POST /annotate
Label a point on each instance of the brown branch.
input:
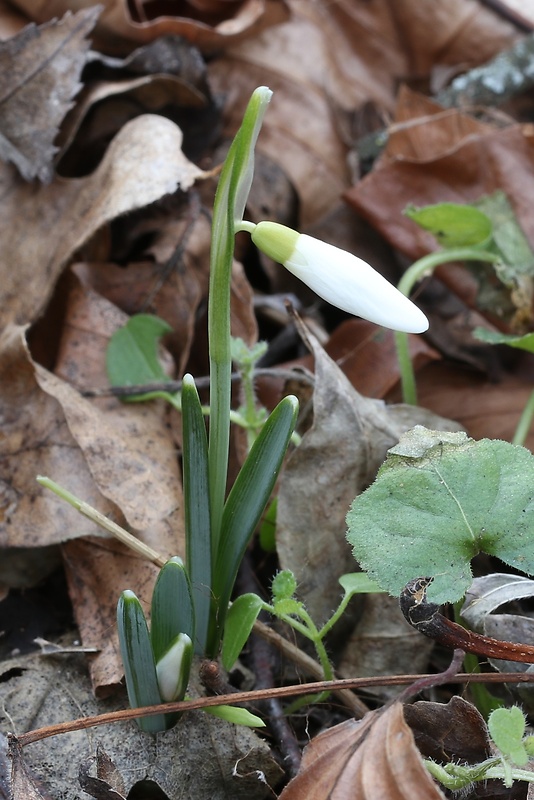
(260, 694)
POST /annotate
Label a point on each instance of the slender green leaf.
(138, 660)
(249, 496)
(241, 617)
(238, 716)
(268, 528)
(172, 610)
(439, 500)
(132, 354)
(230, 199)
(197, 508)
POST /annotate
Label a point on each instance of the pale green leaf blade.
(238, 716)
(132, 354)
(196, 508)
(138, 660)
(359, 583)
(438, 501)
(172, 609)
(453, 224)
(241, 617)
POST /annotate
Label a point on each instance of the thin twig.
(260, 694)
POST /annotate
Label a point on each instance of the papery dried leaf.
(40, 69)
(123, 23)
(143, 163)
(453, 731)
(25, 785)
(374, 759)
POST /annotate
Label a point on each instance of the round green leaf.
(507, 728)
(439, 499)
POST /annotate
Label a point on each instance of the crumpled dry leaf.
(210, 28)
(438, 155)
(202, 757)
(453, 731)
(338, 458)
(372, 759)
(330, 59)
(40, 69)
(143, 163)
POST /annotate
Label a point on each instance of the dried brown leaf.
(202, 757)
(335, 57)
(122, 23)
(40, 71)
(143, 163)
(453, 731)
(373, 759)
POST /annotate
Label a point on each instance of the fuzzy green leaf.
(172, 609)
(132, 354)
(196, 508)
(241, 617)
(439, 500)
(507, 728)
(138, 660)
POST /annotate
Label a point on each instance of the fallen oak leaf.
(40, 69)
(372, 759)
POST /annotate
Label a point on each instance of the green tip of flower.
(276, 241)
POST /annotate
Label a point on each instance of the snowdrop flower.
(173, 669)
(339, 277)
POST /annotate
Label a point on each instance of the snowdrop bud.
(340, 278)
(173, 669)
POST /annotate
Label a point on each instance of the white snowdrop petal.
(349, 283)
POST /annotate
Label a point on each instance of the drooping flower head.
(340, 278)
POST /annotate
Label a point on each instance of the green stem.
(230, 199)
(420, 269)
(525, 421)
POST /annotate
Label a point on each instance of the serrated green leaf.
(172, 610)
(525, 342)
(139, 663)
(507, 728)
(238, 716)
(248, 498)
(132, 353)
(359, 583)
(241, 617)
(453, 224)
(439, 500)
(196, 508)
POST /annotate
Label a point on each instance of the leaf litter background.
(112, 119)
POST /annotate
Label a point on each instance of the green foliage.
(507, 729)
(453, 224)
(439, 499)
(240, 619)
(132, 353)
